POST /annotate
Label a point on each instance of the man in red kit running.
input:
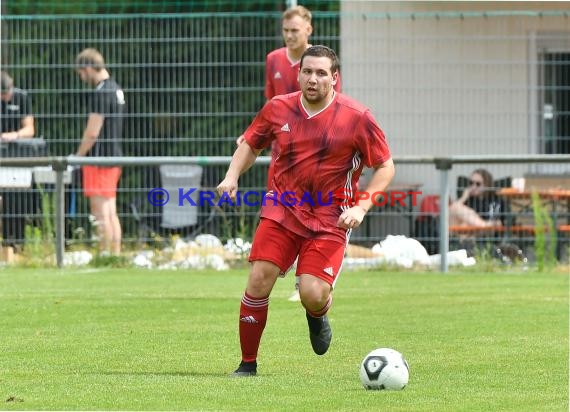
(282, 70)
(324, 140)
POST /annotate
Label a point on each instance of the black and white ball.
(384, 368)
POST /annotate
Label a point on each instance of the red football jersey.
(318, 156)
(281, 74)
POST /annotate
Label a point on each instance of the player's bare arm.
(353, 217)
(26, 131)
(243, 159)
(91, 133)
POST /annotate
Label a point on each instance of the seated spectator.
(479, 205)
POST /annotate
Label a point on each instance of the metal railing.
(442, 164)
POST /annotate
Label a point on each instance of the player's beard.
(317, 95)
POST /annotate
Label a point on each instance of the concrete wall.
(446, 84)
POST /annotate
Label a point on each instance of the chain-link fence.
(441, 78)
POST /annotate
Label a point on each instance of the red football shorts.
(100, 181)
(317, 257)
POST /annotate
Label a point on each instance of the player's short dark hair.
(322, 51)
(90, 58)
(6, 82)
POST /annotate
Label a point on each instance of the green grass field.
(123, 339)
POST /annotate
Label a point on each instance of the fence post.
(443, 165)
(59, 166)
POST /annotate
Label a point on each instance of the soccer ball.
(384, 368)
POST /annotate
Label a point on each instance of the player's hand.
(229, 186)
(351, 218)
(240, 140)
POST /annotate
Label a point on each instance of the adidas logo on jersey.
(248, 319)
(285, 127)
(329, 271)
(277, 75)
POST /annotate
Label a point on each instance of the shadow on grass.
(181, 374)
(151, 373)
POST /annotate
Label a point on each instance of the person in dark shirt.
(479, 205)
(102, 138)
(16, 123)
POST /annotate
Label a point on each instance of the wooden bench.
(474, 230)
(516, 229)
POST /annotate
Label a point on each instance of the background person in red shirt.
(324, 140)
(282, 65)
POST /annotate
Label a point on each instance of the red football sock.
(252, 319)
